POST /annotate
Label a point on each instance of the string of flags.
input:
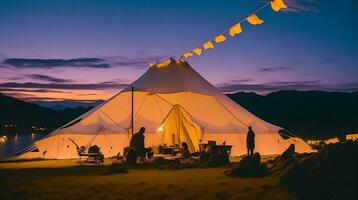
(236, 29)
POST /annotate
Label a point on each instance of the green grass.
(66, 180)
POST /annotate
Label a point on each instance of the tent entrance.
(178, 127)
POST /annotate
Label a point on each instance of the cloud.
(91, 86)
(30, 90)
(19, 95)
(137, 62)
(274, 69)
(300, 5)
(48, 78)
(352, 86)
(56, 63)
(230, 87)
(102, 63)
(14, 78)
(30, 97)
(244, 80)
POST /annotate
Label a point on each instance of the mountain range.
(311, 114)
(60, 105)
(17, 116)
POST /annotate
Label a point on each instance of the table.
(220, 147)
(171, 150)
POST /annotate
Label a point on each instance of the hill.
(310, 113)
(17, 116)
(60, 105)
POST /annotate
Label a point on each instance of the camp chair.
(93, 156)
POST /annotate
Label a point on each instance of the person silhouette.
(136, 146)
(186, 152)
(250, 142)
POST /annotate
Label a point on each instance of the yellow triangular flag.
(277, 5)
(197, 51)
(188, 54)
(208, 45)
(234, 30)
(254, 20)
(220, 38)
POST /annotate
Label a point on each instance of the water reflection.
(18, 142)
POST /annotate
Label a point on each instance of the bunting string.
(235, 29)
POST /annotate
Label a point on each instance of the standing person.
(136, 145)
(250, 142)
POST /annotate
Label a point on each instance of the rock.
(285, 160)
(249, 167)
(294, 178)
(330, 173)
(290, 151)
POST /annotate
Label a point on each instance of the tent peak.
(168, 62)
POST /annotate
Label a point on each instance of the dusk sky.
(89, 50)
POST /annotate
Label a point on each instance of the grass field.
(67, 180)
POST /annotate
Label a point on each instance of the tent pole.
(132, 122)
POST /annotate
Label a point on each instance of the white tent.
(175, 104)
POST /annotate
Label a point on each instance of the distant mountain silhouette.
(60, 105)
(310, 113)
(28, 117)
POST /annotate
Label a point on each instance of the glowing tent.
(175, 104)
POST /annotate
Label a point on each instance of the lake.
(16, 143)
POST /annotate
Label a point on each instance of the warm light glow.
(160, 129)
(3, 139)
(331, 141)
(163, 64)
(314, 142)
(68, 94)
(353, 137)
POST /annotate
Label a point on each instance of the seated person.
(212, 156)
(186, 152)
(100, 157)
(150, 153)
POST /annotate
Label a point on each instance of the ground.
(65, 179)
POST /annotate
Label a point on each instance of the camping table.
(203, 146)
(171, 150)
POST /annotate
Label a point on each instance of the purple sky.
(91, 49)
